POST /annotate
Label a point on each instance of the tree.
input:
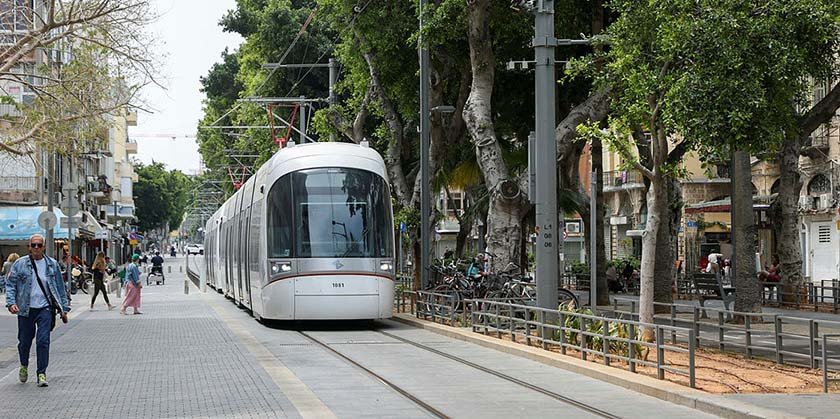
(724, 75)
(161, 196)
(110, 62)
(786, 206)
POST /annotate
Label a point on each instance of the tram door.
(246, 245)
(242, 245)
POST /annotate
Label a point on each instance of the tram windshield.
(327, 213)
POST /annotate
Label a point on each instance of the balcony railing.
(622, 178)
(19, 183)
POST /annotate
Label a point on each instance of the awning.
(19, 223)
(88, 225)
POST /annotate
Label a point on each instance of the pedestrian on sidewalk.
(36, 293)
(7, 269)
(132, 286)
(99, 269)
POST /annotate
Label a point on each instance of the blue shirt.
(37, 299)
(132, 273)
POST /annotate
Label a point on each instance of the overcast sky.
(192, 41)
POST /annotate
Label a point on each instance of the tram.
(308, 237)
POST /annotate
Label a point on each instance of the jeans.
(37, 326)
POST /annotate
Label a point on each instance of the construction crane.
(146, 135)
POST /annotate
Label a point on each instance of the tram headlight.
(386, 265)
(280, 267)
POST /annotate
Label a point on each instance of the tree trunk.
(788, 247)
(504, 218)
(747, 288)
(657, 206)
(600, 255)
(666, 253)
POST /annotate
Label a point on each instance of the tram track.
(405, 393)
(426, 406)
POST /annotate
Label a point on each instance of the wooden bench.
(708, 286)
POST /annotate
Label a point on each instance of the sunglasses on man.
(36, 245)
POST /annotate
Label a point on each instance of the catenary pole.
(593, 242)
(425, 204)
(546, 199)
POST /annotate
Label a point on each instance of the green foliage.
(160, 196)
(721, 73)
(620, 263)
(596, 327)
(577, 267)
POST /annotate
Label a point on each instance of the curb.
(663, 390)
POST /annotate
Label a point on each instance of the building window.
(456, 203)
(818, 185)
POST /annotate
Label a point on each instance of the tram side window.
(280, 219)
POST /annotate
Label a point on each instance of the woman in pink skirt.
(132, 286)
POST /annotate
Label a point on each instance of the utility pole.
(49, 244)
(546, 160)
(425, 122)
(593, 242)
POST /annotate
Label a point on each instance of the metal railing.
(588, 334)
(619, 178)
(775, 336)
(19, 183)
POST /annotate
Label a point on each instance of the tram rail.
(429, 408)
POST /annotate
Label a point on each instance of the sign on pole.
(47, 220)
(102, 234)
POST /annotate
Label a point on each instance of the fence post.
(673, 323)
(825, 363)
(631, 347)
(474, 305)
(562, 333)
(721, 334)
(697, 325)
(498, 325)
(691, 349)
(660, 353)
(527, 327)
(511, 318)
(748, 336)
(813, 332)
(605, 343)
(582, 338)
(779, 342)
(543, 329)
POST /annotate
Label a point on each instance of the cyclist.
(157, 264)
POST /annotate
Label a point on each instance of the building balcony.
(19, 183)
(131, 147)
(617, 180)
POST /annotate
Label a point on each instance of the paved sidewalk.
(176, 360)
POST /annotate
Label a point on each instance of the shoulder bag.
(53, 304)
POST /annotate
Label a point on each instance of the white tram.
(309, 236)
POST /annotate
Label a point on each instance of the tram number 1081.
(338, 285)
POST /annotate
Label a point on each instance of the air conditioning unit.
(806, 202)
(573, 227)
(826, 201)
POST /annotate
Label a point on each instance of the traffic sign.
(102, 234)
(70, 222)
(47, 220)
(402, 227)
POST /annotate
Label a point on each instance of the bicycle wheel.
(565, 298)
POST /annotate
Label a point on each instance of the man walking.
(34, 291)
